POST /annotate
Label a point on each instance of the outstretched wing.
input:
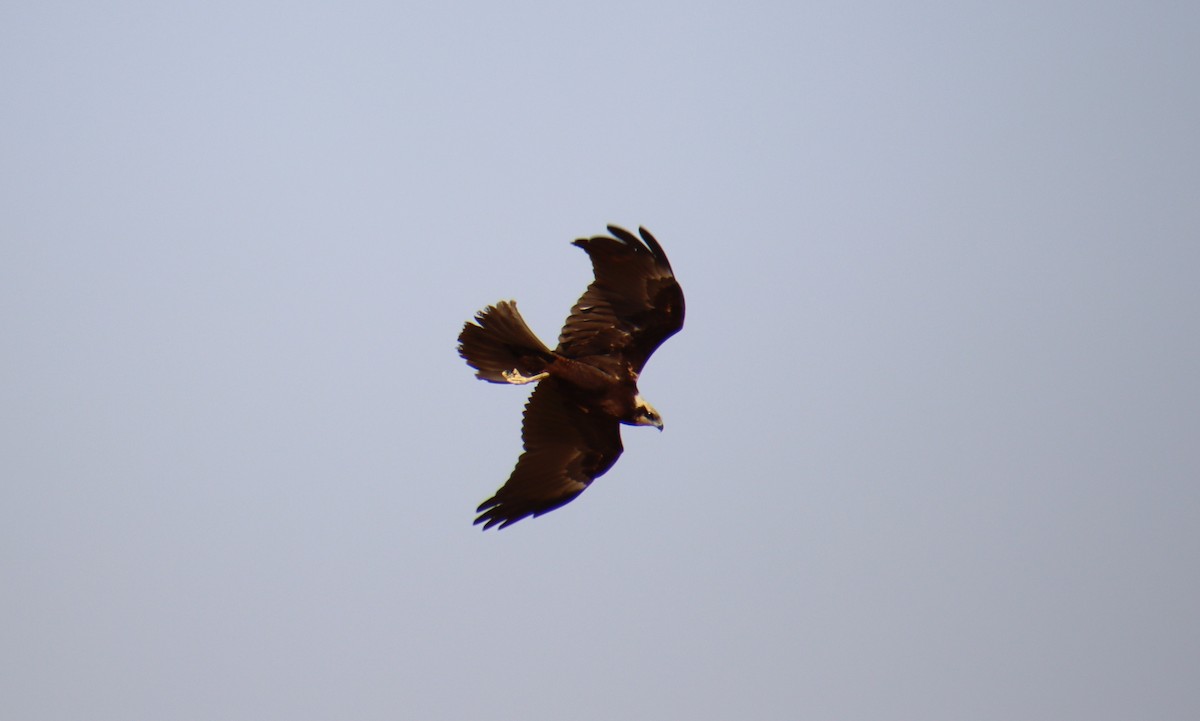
(566, 448)
(632, 306)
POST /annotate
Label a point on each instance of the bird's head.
(644, 414)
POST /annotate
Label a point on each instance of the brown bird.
(587, 386)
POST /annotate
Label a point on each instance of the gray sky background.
(932, 442)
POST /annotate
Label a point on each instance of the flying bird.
(587, 386)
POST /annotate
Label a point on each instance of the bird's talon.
(514, 376)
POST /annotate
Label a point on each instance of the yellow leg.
(514, 376)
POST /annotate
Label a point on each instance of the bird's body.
(587, 385)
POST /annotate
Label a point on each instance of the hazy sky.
(932, 444)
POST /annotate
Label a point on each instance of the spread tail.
(499, 342)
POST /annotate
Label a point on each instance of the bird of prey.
(587, 386)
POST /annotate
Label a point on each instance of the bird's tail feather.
(499, 341)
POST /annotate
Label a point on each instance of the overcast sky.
(932, 444)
